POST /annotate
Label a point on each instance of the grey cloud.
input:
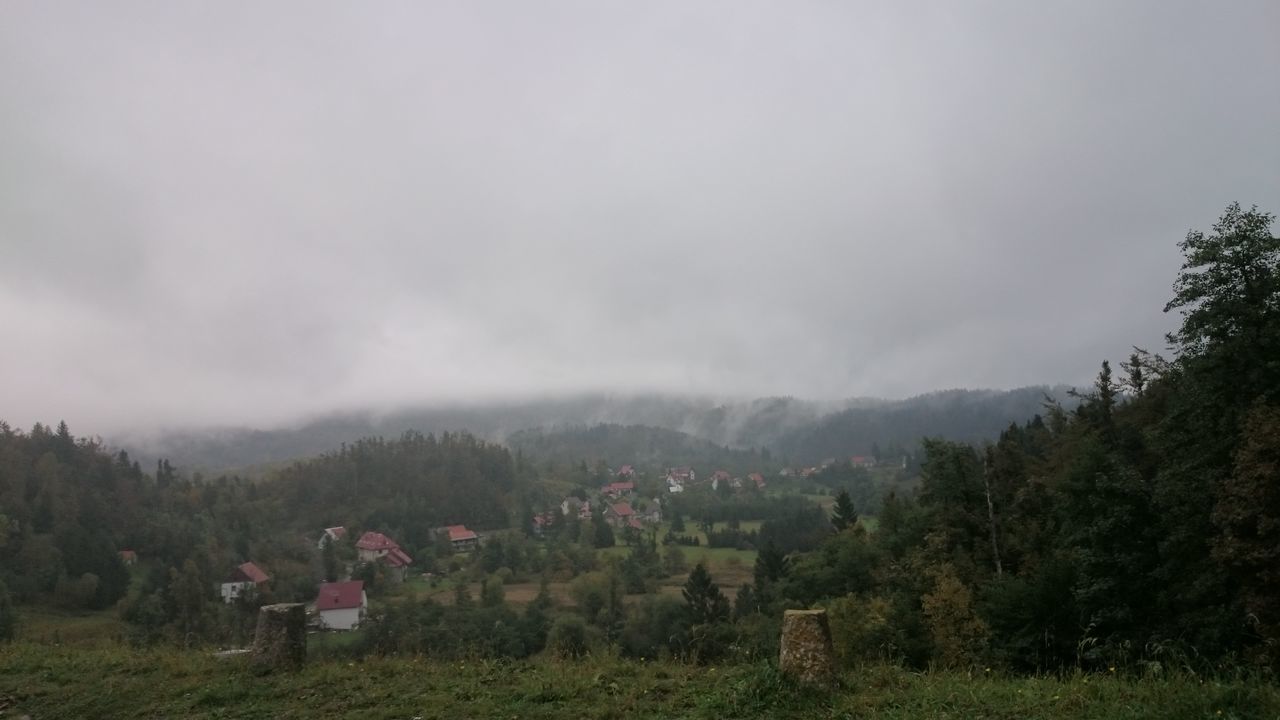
(250, 212)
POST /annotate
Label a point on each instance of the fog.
(247, 213)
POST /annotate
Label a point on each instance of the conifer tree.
(844, 516)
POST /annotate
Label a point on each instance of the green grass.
(51, 626)
(116, 682)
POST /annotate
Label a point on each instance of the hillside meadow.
(112, 681)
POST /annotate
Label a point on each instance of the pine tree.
(705, 604)
(8, 615)
(844, 516)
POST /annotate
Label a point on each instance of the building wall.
(344, 619)
(231, 591)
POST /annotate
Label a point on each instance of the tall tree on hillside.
(1228, 359)
(844, 516)
(8, 616)
(704, 602)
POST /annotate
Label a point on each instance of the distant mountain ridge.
(801, 430)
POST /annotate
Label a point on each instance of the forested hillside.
(803, 432)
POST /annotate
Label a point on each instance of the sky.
(251, 212)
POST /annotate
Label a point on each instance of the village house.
(333, 534)
(618, 489)
(341, 605)
(542, 521)
(461, 538)
(621, 514)
(128, 557)
(573, 504)
(674, 486)
(862, 461)
(373, 546)
(718, 477)
(397, 562)
(757, 479)
(682, 475)
(243, 581)
(626, 471)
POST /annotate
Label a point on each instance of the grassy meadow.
(113, 681)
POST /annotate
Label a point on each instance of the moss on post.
(281, 639)
(807, 654)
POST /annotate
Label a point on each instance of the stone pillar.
(281, 639)
(807, 654)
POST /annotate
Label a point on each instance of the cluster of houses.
(339, 605)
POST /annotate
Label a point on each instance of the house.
(653, 514)
(757, 479)
(718, 477)
(542, 521)
(372, 546)
(583, 507)
(462, 538)
(333, 534)
(674, 486)
(242, 582)
(682, 475)
(621, 513)
(341, 605)
(128, 557)
(618, 489)
(397, 562)
(626, 471)
(862, 461)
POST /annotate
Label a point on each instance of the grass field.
(42, 681)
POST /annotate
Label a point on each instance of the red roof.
(128, 555)
(626, 470)
(619, 487)
(375, 541)
(336, 532)
(340, 595)
(460, 532)
(720, 475)
(253, 573)
(397, 558)
(635, 523)
(623, 510)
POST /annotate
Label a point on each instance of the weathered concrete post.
(807, 654)
(280, 642)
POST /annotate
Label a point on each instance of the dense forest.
(1138, 524)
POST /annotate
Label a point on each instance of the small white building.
(333, 534)
(342, 605)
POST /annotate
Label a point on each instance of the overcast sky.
(244, 212)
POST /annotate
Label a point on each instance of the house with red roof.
(372, 546)
(758, 479)
(341, 605)
(244, 581)
(862, 461)
(461, 538)
(626, 471)
(618, 489)
(620, 513)
(128, 557)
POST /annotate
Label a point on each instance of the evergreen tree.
(705, 604)
(844, 516)
(601, 532)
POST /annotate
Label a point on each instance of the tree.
(704, 602)
(1248, 516)
(677, 522)
(601, 533)
(844, 516)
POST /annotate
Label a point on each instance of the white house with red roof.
(862, 461)
(341, 605)
(758, 479)
(626, 471)
(462, 538)
(243, 581)
(372, 546)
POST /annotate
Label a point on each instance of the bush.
(568, 637)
